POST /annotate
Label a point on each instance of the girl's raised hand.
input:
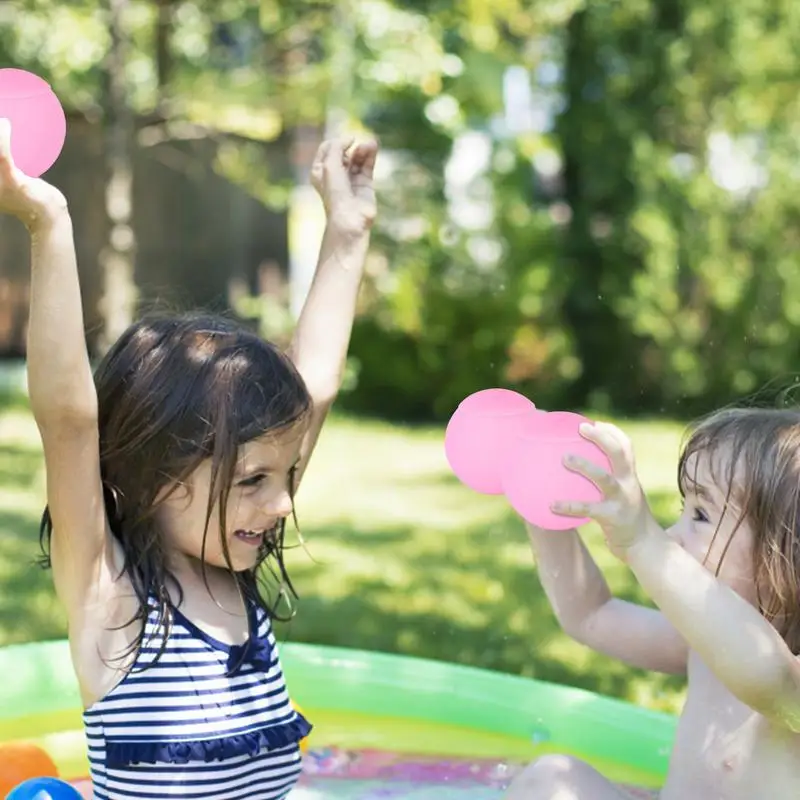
(31, 200)
(623, 512)
(342, 174)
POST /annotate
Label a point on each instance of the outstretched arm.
(590, 614)
(60, 382)
(744, 651)
(319, 346)
(60, 385)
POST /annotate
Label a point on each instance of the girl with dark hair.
(170, 474)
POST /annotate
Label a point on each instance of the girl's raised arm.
(343, 176)
(60, 384)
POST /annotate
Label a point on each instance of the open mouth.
(254, 537)
(250, 537)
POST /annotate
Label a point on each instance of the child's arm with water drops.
(588, 612)
(60, 384)
(342, 174)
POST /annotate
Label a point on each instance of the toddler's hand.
(31, 200)
(342, 174)
(623, 512)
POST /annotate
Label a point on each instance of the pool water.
(348, 774)
(323, 788)
(375, 775)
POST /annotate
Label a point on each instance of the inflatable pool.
(385, 725)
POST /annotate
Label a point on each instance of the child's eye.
(699, 515)
(253, 480)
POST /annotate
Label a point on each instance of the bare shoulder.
(638, 635)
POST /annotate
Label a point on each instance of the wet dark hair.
(172, 392)
(754, 456)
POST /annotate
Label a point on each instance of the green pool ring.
(366, 700)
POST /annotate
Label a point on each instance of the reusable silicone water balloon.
(479, 434)
(534, 476)
(38, 123)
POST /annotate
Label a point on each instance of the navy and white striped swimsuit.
(186, 728)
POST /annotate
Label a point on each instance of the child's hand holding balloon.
(32, 200)
(623, 512)
(32, 134)
(498, 442)
(556, 469)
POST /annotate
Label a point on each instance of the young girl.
(726, 580)
(170, 475)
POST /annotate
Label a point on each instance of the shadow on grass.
(29, 610)
(471, 597)
(12, 399)
(18, 465)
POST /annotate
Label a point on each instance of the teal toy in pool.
(44, 789)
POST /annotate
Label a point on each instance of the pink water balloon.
(38, 123)
(534, 476)
(480, 433)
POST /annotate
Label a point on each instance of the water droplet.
(540, 735)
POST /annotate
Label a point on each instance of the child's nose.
(283, 505)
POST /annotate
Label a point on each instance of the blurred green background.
(592, 203)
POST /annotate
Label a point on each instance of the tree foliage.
(632, 244)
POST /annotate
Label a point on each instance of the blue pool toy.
(44, 789)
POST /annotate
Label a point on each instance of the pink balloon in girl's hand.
(534, 476)
(479, 434)
(38, 123)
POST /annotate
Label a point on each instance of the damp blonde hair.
(754, 456)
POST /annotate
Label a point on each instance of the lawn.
(399, 557)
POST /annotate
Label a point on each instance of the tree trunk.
(164, 25)
(306, 219)
(118, 257)
(593, 323)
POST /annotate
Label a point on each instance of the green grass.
(399, 557)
